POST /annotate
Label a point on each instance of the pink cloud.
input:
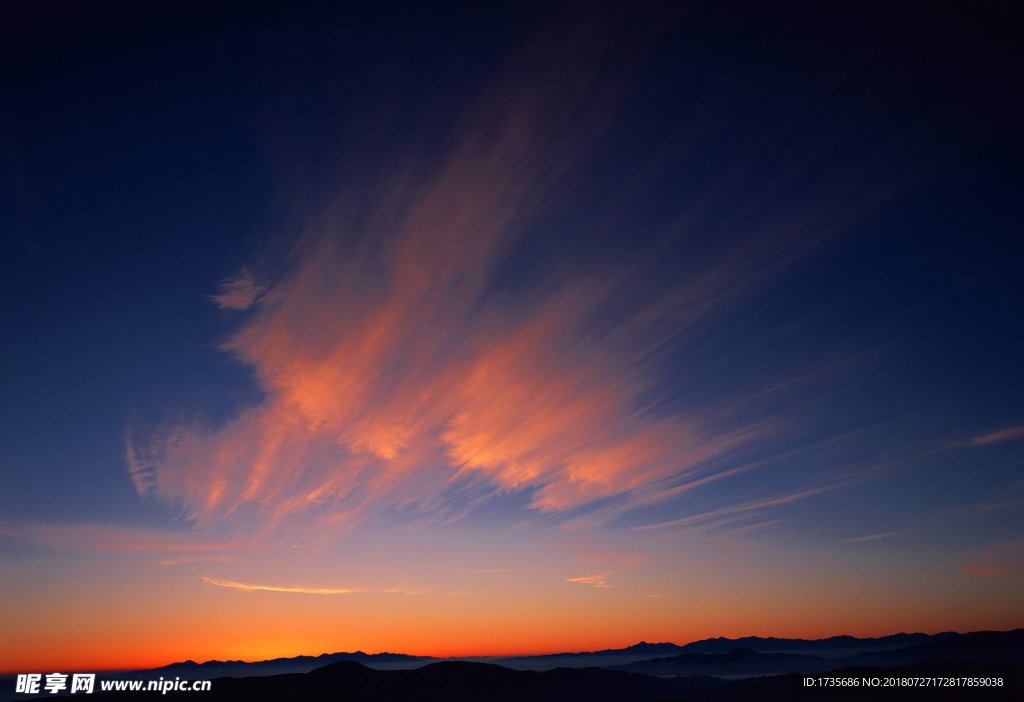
(592, 580)
(394, 376)
(238, 293)
(276, 588)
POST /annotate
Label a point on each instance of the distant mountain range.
(740, 661)
(280, 666)
(719, 656)
(982, 646)
(663, 673)
(452, 681)
(833, 647)
(834, 643)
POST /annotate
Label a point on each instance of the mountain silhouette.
(740, 661)
(837, 644)
(603, 658)
(454, 681)
(981, 646)
(276, 666)
(693, 676)
(833, 647)
(986, 646)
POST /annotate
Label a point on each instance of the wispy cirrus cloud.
(196, 559)
(871, 537)
(1009, 434)
(414, 360)
(238, 293)
(277, 588)
(740, 508)
(592, 580)
(399, 590)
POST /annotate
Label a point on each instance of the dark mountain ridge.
(833, 647)
(640, 649)
(455, 681)
(739, 661)
(981, 646)
(316, 661)
(772, 644)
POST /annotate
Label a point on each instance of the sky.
(463, 331)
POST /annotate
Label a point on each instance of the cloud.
(415, 362)
(238, 293)
(493, 570)
(592, 580)
(746, 529)
(988, 570)
(649, 597)
(996, 561)
(872, 537)
(1008, 434)
(397, 590)
(274, 588)
(196, 559)
(745, 507)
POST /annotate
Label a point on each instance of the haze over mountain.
(982, 646)
(845, 644)
(832, 647)
(478, 682)
(598, 675)
(279, 666)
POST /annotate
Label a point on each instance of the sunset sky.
(466, 332)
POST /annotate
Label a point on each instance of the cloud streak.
(275, 588)
(1009, 434)
(591, 580)
(239, 293)
(196, 559)
(872, 537)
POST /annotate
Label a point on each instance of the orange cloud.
(399, 378)
(274, 588)
(987, 571)
(196, 559)
(996, 561)
(592, 580)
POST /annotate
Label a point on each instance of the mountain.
(641, 649)
(604, 658)
(981, 646)
(740, 661)
(279, 666)
(452, 681)
(985, 646)
(836, 645)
